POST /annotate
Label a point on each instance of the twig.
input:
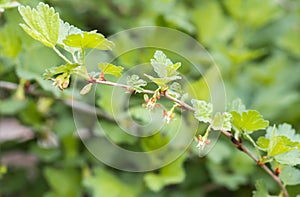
(263, 166)
(181, 103)
(86, 108)
(69, 102)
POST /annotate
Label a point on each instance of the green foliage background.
(255, 43)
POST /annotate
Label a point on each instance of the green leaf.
(160, 63)
(118, 136)
(88, 40)
(60, 75)
(3, 170)
(105, 183)
(165, 69)
(222, 122)
(223, 175)
(250, 14)
(290, 176)
(136, 83)
(290, 158)
(11, 106)
(171, 174)
(154, 142)
(64, 31)
(283, 130)
(42, 23)
(110, 69)
(67, 68)
(64, 182)
(279, 145)
(263, 142)
(203, 110)
(249, 121)
(291, 41)
(202, 84)
(217, 29)
(159, 81)
(220, 152)
(10, 41)
(282, 148)
(237, 105)
(86, 89)
(261, 189)
(175, 90)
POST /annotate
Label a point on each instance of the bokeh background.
(256, 45)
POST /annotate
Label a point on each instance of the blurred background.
(256, 45)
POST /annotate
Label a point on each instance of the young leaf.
(42, 23)
(10, 41)
(261, 189)
(263, 142)
(171, 174)
(164, 66)
(249, 121)
(222, 121)
(104, 182)
(165, 69)
(136, 83)
(68, 68)
(290, 175)
(203, 110)
(283, 130)
(69, 177)
(111, 69)
(159, 81)
(290, 158)
(160, 63)
(65, 30)
(276, 145)
(175, 90)
(279, 145)
(88, 40)
(237, 105)
(86, 89)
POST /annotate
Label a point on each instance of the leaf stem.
(61, 55)
(249, 138)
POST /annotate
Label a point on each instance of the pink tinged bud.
(168, 116)
(158, 96)
(202, 142)
(146, 98)
(150, 104)
(65, 84)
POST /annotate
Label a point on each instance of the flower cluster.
(202, 142)
(151, 103)
(168, 116)
(62, 81)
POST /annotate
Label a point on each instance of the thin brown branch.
(86, 108)
(68, 102)
(242, 148)
(8, 85)
(181, 103)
